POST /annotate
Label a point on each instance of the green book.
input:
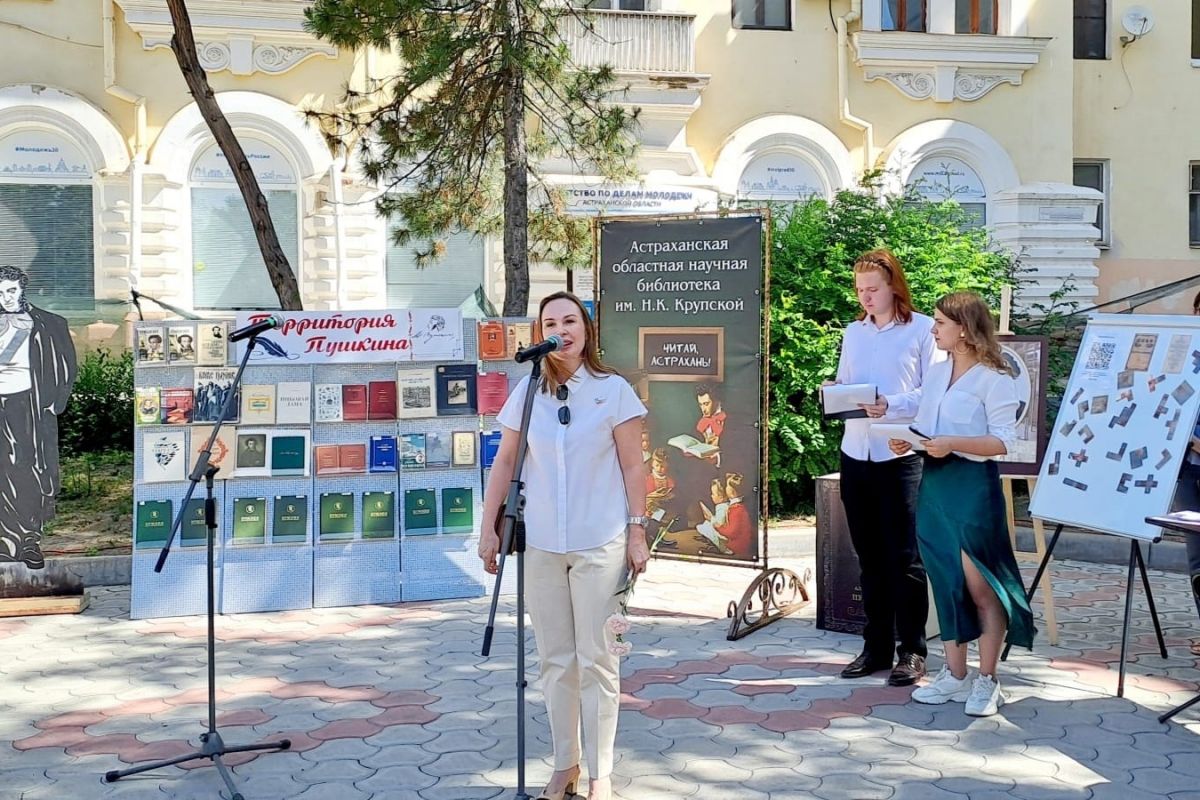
(288, 454)
(250, 520)
(379, 515)
(153, 523)
(458, 511)
(420, 511)
(337, 516)
(193, 533)
(290, 522)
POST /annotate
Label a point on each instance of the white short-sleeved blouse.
(574, 490)
(981, 402)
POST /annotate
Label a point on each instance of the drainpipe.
(843, 55)
(339, 230)
(137, 166)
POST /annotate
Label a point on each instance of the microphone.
(255, 328)
(538, 350)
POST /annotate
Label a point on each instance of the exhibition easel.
(1135, 561)
(1039, 554)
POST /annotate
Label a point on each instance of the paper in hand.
(841, 400)
(899, 430)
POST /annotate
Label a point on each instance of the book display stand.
(336, 486)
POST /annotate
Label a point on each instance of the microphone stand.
(512, 540)
(212, 745)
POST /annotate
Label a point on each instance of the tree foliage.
(485, 91)
(813, 249)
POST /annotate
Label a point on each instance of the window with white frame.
(1091, 29)
(1194, 205)
(439, 274)
(772, 15)
(976, 16)
(939, 178)
(46, 219)
(904, 15)
(228, 271)
(1093, 173)
(1196, 32)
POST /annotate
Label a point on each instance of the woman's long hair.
(979, 331)
(554, 372)
(884, 262)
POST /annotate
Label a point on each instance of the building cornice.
(946, 67)
(244, 37)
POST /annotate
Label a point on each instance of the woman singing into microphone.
(585, 490)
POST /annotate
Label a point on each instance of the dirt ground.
(95, 507)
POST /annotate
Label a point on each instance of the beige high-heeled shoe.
(567, 792)
(601, 793)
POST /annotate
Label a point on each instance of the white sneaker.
(986, 697)
(944, 688)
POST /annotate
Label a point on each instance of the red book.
(177, 405)
(326, 458)
(491, 390)
(352, 457)
(492, 344)
(354, 401)
(381, 400)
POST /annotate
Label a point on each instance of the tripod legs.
(212, 747)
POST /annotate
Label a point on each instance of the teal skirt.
(960, 509)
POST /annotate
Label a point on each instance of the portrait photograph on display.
(1026, 359)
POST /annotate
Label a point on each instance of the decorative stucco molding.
(264, 36)
(945, 67)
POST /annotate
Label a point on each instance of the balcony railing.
(632, 41)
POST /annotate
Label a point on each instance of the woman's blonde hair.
(979, 331)
(554, 372)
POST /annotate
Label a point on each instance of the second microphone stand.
(512, 540)
(212, 746)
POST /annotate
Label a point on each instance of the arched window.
(781, 176)
(939, 178)
(228, 271)
(46, 218)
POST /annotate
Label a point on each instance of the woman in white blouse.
(968, 411)
(585, 487)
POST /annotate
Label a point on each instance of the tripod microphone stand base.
(212, 747)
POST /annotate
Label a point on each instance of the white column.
(1048, 226)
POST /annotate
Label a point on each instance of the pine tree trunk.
(183, 43)
(516, 177)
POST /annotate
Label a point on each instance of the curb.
(785, 542)
(97, 570)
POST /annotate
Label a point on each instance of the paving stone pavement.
(394, 703)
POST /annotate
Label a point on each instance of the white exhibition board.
(1124, 427)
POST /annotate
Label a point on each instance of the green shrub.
(813, 248)
(99, 416)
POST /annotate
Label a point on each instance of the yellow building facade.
(111, 182)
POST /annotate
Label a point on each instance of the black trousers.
(1187, 498)
(880, 498)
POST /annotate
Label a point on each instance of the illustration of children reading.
(716, 517)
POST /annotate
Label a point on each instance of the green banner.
(681, 316)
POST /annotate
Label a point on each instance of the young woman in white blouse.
(585, 490)
(968, 410)
(890, 347)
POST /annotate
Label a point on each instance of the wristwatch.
(637, 519)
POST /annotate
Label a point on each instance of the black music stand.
(1174, 523)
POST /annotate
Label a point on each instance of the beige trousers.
(571, 596)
